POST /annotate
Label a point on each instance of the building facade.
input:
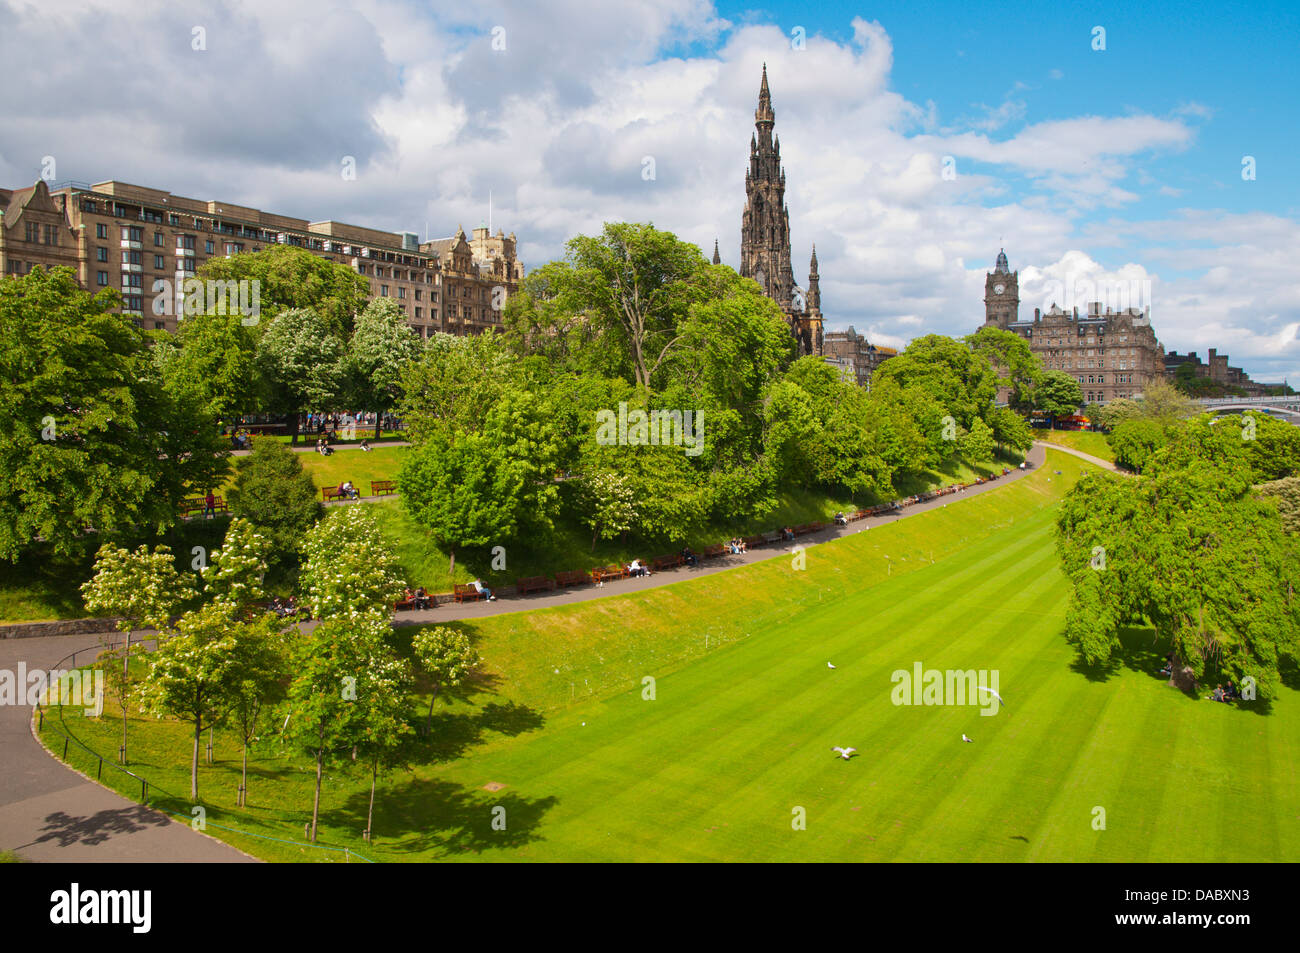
(1111, 354)
(855, 356)
(146, 242)
(765, 233)
(1215, 369)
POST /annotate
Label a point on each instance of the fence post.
(144, 791)
(100, 773)
(65, 747)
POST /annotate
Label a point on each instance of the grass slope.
(1085, 441)
(739, 736)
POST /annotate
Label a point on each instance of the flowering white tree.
(145, 590)
(446, 657)
(351, 569)
(234, 573)
(608, 504)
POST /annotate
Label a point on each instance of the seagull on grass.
(829, 665)
(964, 738)
(981, 688)
(845, 753)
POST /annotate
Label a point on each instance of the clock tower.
(1002, 294)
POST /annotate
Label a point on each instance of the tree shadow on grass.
(1139, 651)
(453, 734)
(442, 816)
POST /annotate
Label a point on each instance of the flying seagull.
(964, 738)
(844, 753)
(981, 688)
(829, 665)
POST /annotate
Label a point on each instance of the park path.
(1095, 461)
(48, 812)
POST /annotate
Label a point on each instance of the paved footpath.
(48, 812)
(1095, 461)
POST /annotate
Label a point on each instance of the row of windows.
(37, 233)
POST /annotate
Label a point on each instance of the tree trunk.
(453, 566)
(370, 815)
(293, 430)
(243, 780)
(379, 425)
(194, 762)
(428, 725)
(126, 674)
(595, 534)
(315, 807)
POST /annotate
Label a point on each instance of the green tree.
(257, 684)
(383, 727)
(293, 278)
(1134, 442)
(1285, 495)
(300, 364)
(382, 347)
(959, 378)
(235, 572)
(350, 567)
(325, 706)
(212, 357)
(1190, 552)
(191, 675)
(1166, 404)
(144, 589)
(446, 657)
(977, 444)
(1018, 368)
(1010, 429)
(90, 438)
(608, 504)
(275, 495)
(1057, 394)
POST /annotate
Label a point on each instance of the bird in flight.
(829, 665)
(844, 753)
(981, 688)
(964, 738)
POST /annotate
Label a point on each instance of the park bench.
(402, 604)
(752, 541)
(572, 577)
(198, 504)
(382, 487)
(605, 573)
(462, 593)
(331, 493)
(534, 584)
(666, 562)
(713, 551)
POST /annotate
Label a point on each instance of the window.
(418, 293)
(417, 312)
(185, 241)
(158, 239)
(33, 232)
(401, 293)
(131, 257)
(132, 303)
(185, 264)
(101, 279)
(383, 290)
(101, 231)
(208, 247)
(132, 281)
(51, 234)
(158, 326)
(158, 262)
(131, 233)
(101, 254)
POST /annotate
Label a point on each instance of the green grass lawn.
(1085, 441)
(739, 733)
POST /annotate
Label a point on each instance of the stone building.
(146, 242)
(1112, 353)
(1215, 369)
(855, 356)
(765, 233)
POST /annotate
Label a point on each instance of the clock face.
(998, 289)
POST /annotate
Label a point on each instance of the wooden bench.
(403, 604)
(714, 551)
(572, 577)
(382, 487)
(331, 493)
(606, 573)
(807, 528)
(467, 593)
(752, 541)
(666, 562)
(198, 504)
(534, 584)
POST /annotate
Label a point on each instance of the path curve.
(1095, 461)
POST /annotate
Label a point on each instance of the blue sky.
(1095, 169)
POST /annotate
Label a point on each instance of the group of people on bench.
(736, 546)
(348, 491)
(419, 598)
(287, 608)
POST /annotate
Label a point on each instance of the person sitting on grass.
(365, 445)
(1230, 692)
(1218, 694)
(689, 557)
(483, 590)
